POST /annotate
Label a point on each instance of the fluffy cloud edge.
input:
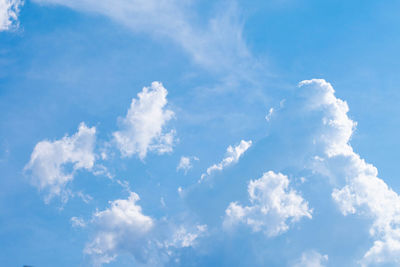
(233, 155)
(142, 129)
(363, 192)
(273, 206)
(48, 165)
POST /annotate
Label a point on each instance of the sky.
(199, 133)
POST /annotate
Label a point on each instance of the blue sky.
(199, 133)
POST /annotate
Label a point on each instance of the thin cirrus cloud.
(142, 129)
(48, 166)
(9, 11)
(363, 191)
(273, 206)
(233, 155)
(218, 45)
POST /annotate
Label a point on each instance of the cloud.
(124, 228)
(311, 259)
(232, 156)
(142, 128)
(273, 206)
(269, 115)
(77, 222)
(217, 45)
(363, 191)
(185, 163)
(9, 10)
(53, 164)
(183, 238)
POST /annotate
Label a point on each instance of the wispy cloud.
(186, 163)
(216, 44)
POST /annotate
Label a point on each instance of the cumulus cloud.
(53, 164)
(311, 259)
(232, 156)
(363, 191)
(273, 206)
(9, 10)
(124, 228)
(142, 129)
(185, 163)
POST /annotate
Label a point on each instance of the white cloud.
(183, 238)
(9, 10)
(232, 156)
(337, 126)
(216, 45)
(53, 164)
(311, 259)
(123, 226)
(273, 206)
(269, 115)
(180, 191)
(364, 192)
(185, 163)
(142, 128)
(78, 222)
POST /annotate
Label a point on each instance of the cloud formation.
(53, 164)
(185, 163)
(311, 259)
(363, 191)
(124, 228)
(218, 45)
(9, 10)
(142, 129)
(273, 206)
(232, 156)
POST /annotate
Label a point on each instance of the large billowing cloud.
(142, 129)
(233, 155)
(124, 228)
(9, 10)
(53, 164)
(273, 206)
(363, 192)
